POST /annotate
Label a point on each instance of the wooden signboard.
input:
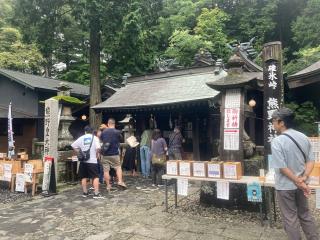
(232, 170)
(215, 169)
(172, 167)
(199, 169)
(185, 168)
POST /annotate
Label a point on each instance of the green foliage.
(211, 27)
(306, 114)
(305, 28)
(15, 55)
(183, 46)
(5, 12)
(305, 58)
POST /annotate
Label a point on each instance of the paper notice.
(183, 187)
(223, 190)
(20, 182)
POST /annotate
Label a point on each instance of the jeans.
(145, 156)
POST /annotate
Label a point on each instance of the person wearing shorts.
(89, 169)
(111, 158)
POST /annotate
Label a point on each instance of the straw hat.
(132, 141)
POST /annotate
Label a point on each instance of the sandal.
(122, 185)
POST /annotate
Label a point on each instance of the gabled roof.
(252, 79)
(43, 83)
(309, 75)
(174, 87)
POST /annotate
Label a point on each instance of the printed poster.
(223, 190)
(7, 169)
(231, 139)
(214, 170)
(183, 185)
(232, 99)
(231, 117)
(20, 182)
(28, 172)
(254, 192)
(172, 168)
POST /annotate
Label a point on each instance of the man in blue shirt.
(293, 161)
(110, 157)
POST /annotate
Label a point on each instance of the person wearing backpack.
(293, 161)
(87, 148)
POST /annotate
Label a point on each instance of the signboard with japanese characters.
(254, 192)
(272, 98)
(28, 171)
(231, 125)
(232, 117)
(231, 139)
(7, 172)
(51, 124)
(20, 182)
(233, 97)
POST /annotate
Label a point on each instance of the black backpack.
(84, 156)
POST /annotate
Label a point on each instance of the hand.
(304, 187)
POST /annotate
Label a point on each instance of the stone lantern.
(65, 139)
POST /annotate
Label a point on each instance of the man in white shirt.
(89, 168)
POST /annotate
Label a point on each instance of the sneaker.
(98, 196)
(85, 194)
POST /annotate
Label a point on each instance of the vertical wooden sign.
(273, 89)
(51, 124)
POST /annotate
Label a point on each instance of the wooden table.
(242, 180)
(267, 188)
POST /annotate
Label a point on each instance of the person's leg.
(171, 154)
(96, 185)
(289, 213)
(154, 174)
(148, 160)
(107, 178)
(143, 160)
(84, 185)
(306, 220)
(177, 155)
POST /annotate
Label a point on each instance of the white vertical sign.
(10, 133)
(223, 190)
(183, 185)
(51, 124)
(20, 182)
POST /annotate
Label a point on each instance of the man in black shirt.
(110, 155)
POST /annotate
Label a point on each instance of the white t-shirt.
(83, 143)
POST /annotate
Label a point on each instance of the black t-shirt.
(112, 136)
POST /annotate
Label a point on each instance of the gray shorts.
(110, 162)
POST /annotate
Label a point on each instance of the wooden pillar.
(231, 145)
(195, 138)
(273, 89)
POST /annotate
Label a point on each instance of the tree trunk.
(95, 85)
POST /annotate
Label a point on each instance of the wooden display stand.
(215, 169)
(199, 169)
(37, 170)
(185, 168)
(173, 167)
(232, 170)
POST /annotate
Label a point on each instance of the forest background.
(94, 41)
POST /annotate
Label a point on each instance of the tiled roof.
(313, 67)
(238, 80)
(43, 83)
(163, 89)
